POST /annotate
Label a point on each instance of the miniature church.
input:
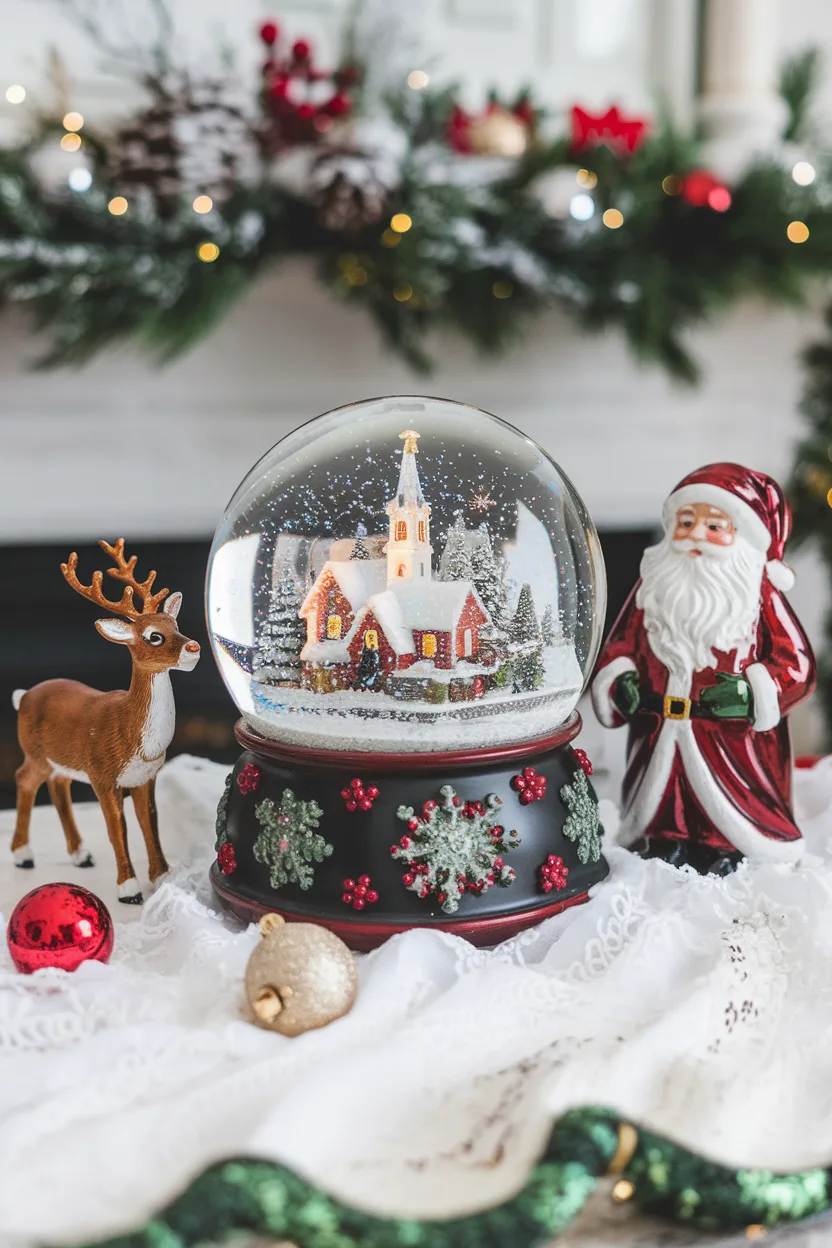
(385, 624)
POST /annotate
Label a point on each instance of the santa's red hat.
(755, 504)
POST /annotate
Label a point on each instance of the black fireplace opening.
(49, 631)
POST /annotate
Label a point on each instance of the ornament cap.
(270, 923)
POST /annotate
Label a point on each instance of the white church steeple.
(409, 550)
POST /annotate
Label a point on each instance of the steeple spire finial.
(411, 441)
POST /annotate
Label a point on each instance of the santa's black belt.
(673, 708)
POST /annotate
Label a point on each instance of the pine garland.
(287, 841)
(482, 256)
(221, 825)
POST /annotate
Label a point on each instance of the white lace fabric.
(701, 1007)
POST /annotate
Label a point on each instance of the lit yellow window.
(371, 639)
(422, 531)
(333, 627)
(401, 530)
(429, 645)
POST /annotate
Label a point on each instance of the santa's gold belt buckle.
(676, 708)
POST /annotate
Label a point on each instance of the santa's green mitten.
(729, 698)
(626, 694)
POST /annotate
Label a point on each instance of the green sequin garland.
(235, 1197)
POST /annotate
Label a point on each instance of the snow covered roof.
(326, 651)
(358, 580)
(386, 608)
(437, 604)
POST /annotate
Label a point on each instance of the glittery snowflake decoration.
(582, 825)
(454, 847)
(287, 841)
(481, 501)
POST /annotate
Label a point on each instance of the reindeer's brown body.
(114, 741)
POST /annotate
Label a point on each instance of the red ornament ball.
(60, 925)
(697, 186)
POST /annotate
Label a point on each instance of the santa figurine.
(704, 663)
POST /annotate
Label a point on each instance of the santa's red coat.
(721, 782)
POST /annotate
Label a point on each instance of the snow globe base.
(482, 843)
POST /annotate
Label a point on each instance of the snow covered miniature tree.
(359, 550)
(287, 841)
(489, 576)
(454, 847)
(368, 674)
(548, 633)
(526, 644)
(456, 557)
(283, 633)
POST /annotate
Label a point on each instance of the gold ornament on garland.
(498, 133)
(299, 977)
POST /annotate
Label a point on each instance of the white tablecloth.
(700, 1006)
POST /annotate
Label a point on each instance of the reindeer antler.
(123, 572)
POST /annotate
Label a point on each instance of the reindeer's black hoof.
(26, 863)
(86, 861)
(135, 900)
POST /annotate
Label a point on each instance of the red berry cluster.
(248, 780)
(583, 759)
(298, 103)
(226, 858)
(358, 894)
(359, 797)
(530, 786)
(553, 874)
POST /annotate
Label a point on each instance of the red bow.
(624, 134)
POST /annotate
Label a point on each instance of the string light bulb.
(804, 173)
(73, 121)
(417, 79)
(829, 499)
(622, 1190)
(117, 206)
(79, 179)
(797, 232)
(203, 204)
(672, 184)
(208, 252)
(582, 207)
(390, 238)
(15, 94)
(587, 179)
(502, 290)
(719, 198)
(71, 142)
(400, 222)
(613, 219)
(402, 292)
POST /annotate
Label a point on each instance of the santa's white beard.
(694, 606)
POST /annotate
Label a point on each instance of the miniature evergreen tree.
(359, 550)
(454, 847)
(456, 557)
(547, 626)
(283, 634)
(368, 674)
(526, 644)
(489, 577)
(287, 841)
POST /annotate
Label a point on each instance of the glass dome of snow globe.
(405, 574)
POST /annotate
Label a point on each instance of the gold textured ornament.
(299, 977)
(498, 133)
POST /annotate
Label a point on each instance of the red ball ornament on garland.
(59, 925)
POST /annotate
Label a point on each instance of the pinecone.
(192, 139)
(347, 191)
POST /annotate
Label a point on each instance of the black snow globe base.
(481, 843)
(405, 599)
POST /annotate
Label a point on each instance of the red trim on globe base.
(362, 937)
(441, 760)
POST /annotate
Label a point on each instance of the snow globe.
(405, 599)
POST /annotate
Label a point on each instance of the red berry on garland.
(279, 89)
(366, 804)
(351, 806)
(346, 794)
(553, 874)
(347, 77)
(372, 792)
(306, 111)
(413, 824)
(356, 784)
(269, 32)
(697, 187)
(226, 858)
(301, 50)
(583, 759)
(358, 895)
(338, 105)
(59, 925)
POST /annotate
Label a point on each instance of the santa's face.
(700, 591)
(700, 522)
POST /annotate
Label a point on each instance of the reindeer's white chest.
(157, 734)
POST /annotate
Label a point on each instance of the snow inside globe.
(406, 574)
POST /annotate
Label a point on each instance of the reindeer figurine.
(113, 741)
